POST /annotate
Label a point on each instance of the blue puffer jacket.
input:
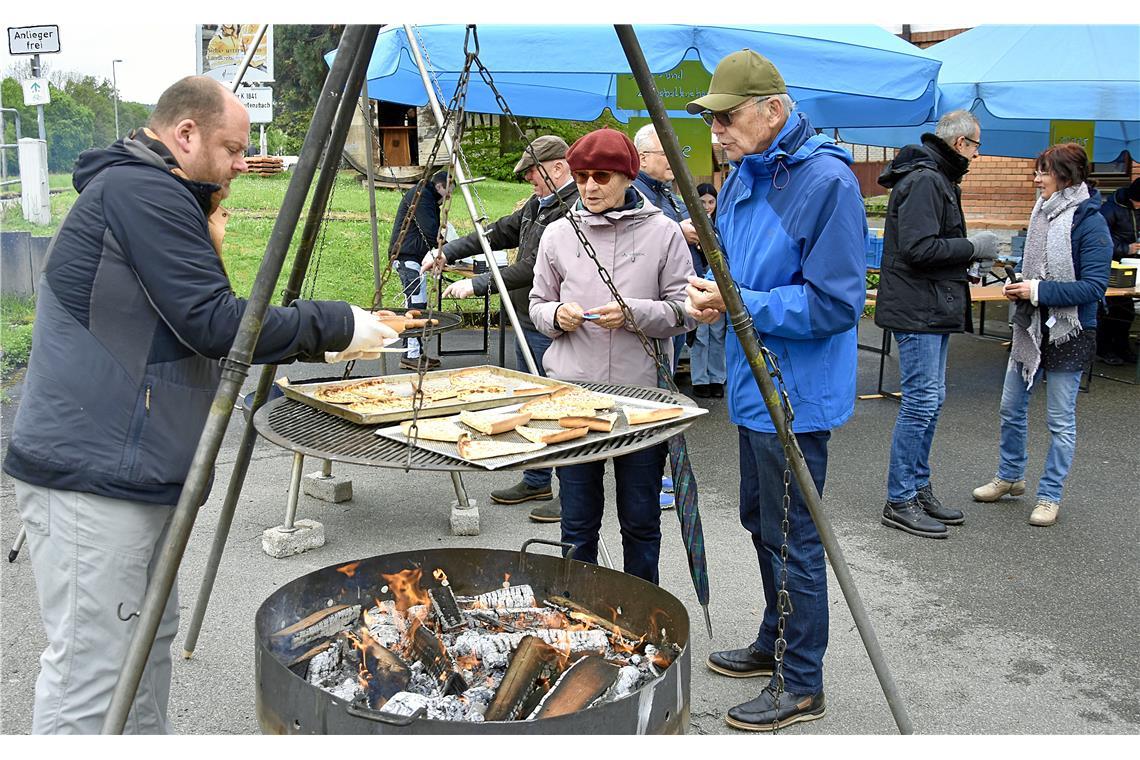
(1092, 257)
(793, 227)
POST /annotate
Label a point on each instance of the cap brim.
(524, 163)
(718, 102)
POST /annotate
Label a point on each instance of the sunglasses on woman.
(599, 177)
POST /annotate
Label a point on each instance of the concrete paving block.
(332, 488)
(464, 522)
(278, 542)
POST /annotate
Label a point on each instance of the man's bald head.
(196, 97)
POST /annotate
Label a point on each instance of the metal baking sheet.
(543, 385)
(621, 428)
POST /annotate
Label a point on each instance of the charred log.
(578, 687)
(533, 660)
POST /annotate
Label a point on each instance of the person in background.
(421, 237)
(1114, 318)
(133, 312)
(522, 230)
(791, 220)
(924, 297)
(645, 255)
(1064, 273)
(706, 356)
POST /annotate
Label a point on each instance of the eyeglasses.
(724, 118)
(973, 142)
(600, 177)
(1038, 174)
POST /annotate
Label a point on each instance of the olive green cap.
(739, 76)
(547, 148)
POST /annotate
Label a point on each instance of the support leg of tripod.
(23, 534)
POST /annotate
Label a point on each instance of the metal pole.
(742, 325)
(115, 93)
(40, 108)
(377, 271)
(265, 382)
(248, 56)
(235, 367)
(461, 181)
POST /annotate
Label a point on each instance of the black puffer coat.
(923, 285)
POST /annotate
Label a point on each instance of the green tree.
(299, 62)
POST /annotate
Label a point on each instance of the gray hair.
(645, 138)
(957, 124)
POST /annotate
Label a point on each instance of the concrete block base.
(278, 542)
(332, 488)
(464, 522)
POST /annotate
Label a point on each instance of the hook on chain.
(119, 614)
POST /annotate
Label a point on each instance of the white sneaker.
(998, 488)
(1045, 513)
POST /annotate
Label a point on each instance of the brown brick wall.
(998, 192)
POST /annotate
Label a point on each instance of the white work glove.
(369, 337)
(985, 245)
(434, 261)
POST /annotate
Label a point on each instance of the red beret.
(604, 149)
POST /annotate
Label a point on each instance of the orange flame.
(440, 576)
(349, 569)
(506, 580)
(405, 588)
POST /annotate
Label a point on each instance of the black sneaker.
(717, 390)
(761, 714)
(742, 663)
(1110, 358)
(908, 516)
(520, 492)
(936, 509)
(701, 390)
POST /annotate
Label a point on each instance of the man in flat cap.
(792, 224)
(521, 230)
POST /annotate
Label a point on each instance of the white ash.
(385, 635)
(626, 683)
(323, 665)
(479, 698)
(450, 708)
(405, 703)
(346, 690)
(511, 597)
(491, 648)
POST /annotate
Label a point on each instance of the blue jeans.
(538, 343)
(922, 375)
(1061, 417)
(706, 357)
(761, 513)
(415, 296)
(638, 477)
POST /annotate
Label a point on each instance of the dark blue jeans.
(638, 477)
(761, 513)
(922, 377)
(538, 343)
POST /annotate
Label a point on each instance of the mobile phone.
(591, 316)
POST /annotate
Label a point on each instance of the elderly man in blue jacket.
(792, 224)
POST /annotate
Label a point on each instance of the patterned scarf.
(1049, 256)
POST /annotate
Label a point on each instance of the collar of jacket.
(950, 162)
(564, 192)
(635, 205)
(656, 185)
(145, 145)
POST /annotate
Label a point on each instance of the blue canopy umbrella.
(840, 75)
(1017, 79)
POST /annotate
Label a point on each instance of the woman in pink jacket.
(648, 260)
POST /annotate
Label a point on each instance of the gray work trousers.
(91, 554)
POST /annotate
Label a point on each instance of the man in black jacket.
(421, 236)
(924, 296)
(1122, 212)
(522, 229)
(133, 311)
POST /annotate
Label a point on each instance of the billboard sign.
(222, 47)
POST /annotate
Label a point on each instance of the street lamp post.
(115, 87)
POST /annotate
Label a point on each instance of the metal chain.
(315, 261)
(654, 354)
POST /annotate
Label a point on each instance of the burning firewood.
(580, 613)
(437, 661)
(511, 597)
(534, 660)
(446, 609)
(321, 624)
(494, 648)
(578, 687)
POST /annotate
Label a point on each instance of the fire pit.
(320, 611)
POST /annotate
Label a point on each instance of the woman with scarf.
(647, 259)
(1064, 275)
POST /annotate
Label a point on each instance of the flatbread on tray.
(472, 449)
(550, 435)
(435, 429)
(493, 422)
(640, 416)
(603, 423)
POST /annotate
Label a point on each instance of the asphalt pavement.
(1003, 628)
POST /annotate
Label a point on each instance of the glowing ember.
(440, 576)
(349, 570)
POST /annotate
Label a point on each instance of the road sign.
(36, 92)
(31, 40)
(259, 102)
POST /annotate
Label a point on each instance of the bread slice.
(603, 423)
(435, 429)
(493, 423)
(559, 404)
(546, 435)
(472, 449)
(640, 416)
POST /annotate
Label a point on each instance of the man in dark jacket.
(522, 230)
(133, 311)
(1122, 212)
(421, 236)
(924, 296)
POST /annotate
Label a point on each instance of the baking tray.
(621, 428)
(538, 386)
